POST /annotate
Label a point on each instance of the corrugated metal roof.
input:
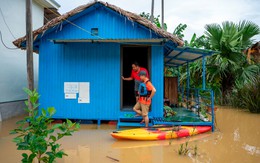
(182, 55)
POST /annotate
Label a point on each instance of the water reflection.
(252, 149)
(121, 144)
(79, 155)
(236, 135)
(237, 139)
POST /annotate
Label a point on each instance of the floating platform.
(184, 117)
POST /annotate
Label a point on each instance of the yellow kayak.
(159, 132)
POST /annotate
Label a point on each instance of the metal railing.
(198, 98)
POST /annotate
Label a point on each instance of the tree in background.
(230, 65)
(178, 31)
(227, 71)
(156, 20)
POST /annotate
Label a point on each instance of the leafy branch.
(36, 134)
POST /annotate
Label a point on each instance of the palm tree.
(230, 65)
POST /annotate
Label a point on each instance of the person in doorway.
(146, 92)
(134, 76)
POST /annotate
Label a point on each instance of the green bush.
(247, 97)
(36, 134)
(250, 96)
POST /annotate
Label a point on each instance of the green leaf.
(27, 128)
(35, 106)
(17, 140)
(25, 158)
(27, 138)
(59, 154)
(50, 131)
(35, 113)
(60, 135)
(25, 155)
(12, 132)
(31, 157)
(51, 111)
(33, 99)
(77, 126)
(56, 126)
(28, 91)
(23, 146)
(62, 128)
(26, 103)
(53, 138)
(21, 122)
(49, 154)
(44, 159)
(44, 112)
(54, 147)
(69, 123)
(67, 134)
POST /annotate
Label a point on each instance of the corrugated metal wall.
(98, 64)
(110, 26)
(157, 75)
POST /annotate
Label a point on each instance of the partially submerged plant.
(174, 128)
(183, 150)
(39, 137)
(195, 150)
(250, 96)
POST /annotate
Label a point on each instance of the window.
(94, 31)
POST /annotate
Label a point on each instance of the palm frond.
(214, 33)
(248, 30)
(247, 74)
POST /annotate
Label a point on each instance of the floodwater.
(237, 139)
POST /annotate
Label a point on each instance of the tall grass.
(247, 97)
(250, 96)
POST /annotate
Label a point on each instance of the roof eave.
(129, 15)
(48, 3)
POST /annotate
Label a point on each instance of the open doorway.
(130, 54)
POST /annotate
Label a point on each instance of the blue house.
(84, 53)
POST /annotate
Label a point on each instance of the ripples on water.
(237, 139)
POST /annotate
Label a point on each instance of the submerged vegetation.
(247, 97)
(35, 133)
(234, 78)
(184, 149)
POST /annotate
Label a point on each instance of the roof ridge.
(131, 16)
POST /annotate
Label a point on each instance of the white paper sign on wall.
(71, 87)
(84, 92)
(70, 96)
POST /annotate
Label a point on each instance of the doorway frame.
(149, 51)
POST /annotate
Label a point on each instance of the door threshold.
(127, 109)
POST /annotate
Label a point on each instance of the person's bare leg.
(137, 98)
(138, 111)
(146, 120)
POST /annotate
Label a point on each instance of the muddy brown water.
(237, 139)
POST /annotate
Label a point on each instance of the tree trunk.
(29, 48)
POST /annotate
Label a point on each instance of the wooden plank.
(166, 87)
(171, 89)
